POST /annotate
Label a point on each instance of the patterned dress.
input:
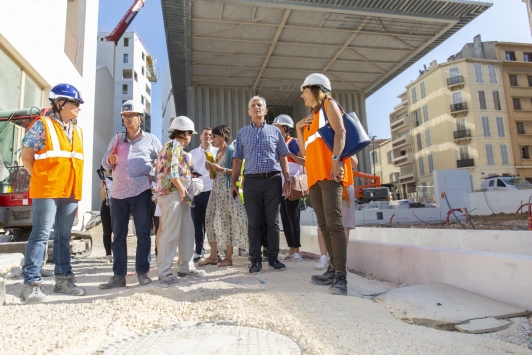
(225, 221)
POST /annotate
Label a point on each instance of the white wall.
(168, 104)
(489, 202)
(33, 32)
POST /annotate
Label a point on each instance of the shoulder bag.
(356, 138)
(299, 187)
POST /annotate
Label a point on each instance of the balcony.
(402, 142)
(407, 175)
(462, 134)
(464, 163)
(459, 108)
(404, 160)
(455, 81)
(400, 122)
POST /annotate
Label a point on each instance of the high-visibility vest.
(58, 167)
(318, 160)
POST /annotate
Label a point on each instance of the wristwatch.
(335, 157)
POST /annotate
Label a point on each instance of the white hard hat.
(197, 186)
(319, 80)
(284, 120)
(132, 106)
(182, 123)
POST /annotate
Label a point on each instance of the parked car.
(501, 183)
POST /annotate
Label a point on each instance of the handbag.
(356, 138)
(299, 187)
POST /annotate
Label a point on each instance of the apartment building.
(453, 116)
(134, 74)
(516, 67)
(529, 11)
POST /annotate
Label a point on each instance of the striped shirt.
(261, 148)
(135, 159)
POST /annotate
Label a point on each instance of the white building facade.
(131, 77)
(34, 58)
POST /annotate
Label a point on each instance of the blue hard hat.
(65, 90)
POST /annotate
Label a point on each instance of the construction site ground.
(284, 302)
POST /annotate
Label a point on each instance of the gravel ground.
(286, 303)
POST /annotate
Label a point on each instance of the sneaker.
(108, 259)
(322, 263)
(298, 257)
(32, 293)
(192, 273)
(325, 279)
(197, 257)
(143, 279)
(339, 285)
(65, 284)
(289, 257)
(255, 267)
(114, 282)
(276, 264)
(168, 279)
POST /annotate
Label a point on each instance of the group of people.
(231, 191)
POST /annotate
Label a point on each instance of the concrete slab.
(9, 261)
(2, 291)
(484, 325)
(442, 306)
(366, 287)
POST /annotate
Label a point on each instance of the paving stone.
(442, 306)
(9, 261)
(484, 325)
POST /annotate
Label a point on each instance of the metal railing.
(462, 133)
(461, 106)
(464, 163)
(453, 80)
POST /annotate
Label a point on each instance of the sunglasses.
(74, 102)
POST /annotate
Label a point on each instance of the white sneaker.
(192, 273)
(322, 263)
(108, 259)
(289, 257)
(298, 257)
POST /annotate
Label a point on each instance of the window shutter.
(482, 99)
(418, 139)
(489, 154)
(486, 126)
(496, 100)
(504, 155)
(425, 113)
(427, 138)
(421, 166)
(431, 164)
(478, 73)
(500, 126)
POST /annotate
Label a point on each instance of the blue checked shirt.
(261, 148)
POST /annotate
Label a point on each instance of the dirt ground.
(285, 302)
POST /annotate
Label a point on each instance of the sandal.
(208, 261)
(226, 262)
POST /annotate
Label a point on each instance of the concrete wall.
(167, 102)
(40, 50)
(489, 202)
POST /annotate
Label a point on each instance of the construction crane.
(125, 21)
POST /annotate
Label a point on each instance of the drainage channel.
(193, 338)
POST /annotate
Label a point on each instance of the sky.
(505, 21)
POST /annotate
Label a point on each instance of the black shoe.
(143, 279)
(114, 282)
(339, 286)
(255, 267)
(324, 280)
(276, 264)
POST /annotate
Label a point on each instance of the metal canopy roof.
(270, 46)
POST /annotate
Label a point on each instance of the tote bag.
(356, 138)
(299, 187)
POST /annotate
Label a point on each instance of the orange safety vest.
(319, 156)
(58, 167)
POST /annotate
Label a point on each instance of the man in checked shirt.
(265, 153)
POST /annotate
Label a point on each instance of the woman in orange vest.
(327, 175)
(52, 153)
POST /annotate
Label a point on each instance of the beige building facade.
(516, 67)
(381, 159)
(453, 116)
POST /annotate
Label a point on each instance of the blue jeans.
(140, 207)
(48, 213)
(198, 218)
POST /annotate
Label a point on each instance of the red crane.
(125, 21)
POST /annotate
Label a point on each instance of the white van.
(499, 183)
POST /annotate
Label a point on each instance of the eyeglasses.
(74, 102)
(130, 116)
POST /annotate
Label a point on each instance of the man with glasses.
(201, 200)
(130, 155)
(52, 153)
